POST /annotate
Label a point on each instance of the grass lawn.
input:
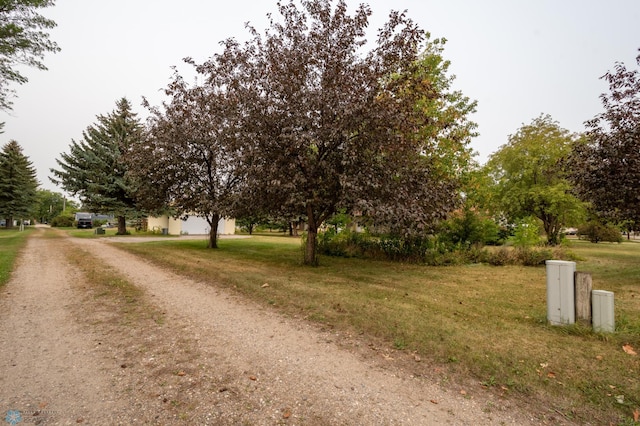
(479, 321)
(110, 232)
(11, 241)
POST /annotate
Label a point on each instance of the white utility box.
(602, 311)
(560, 292)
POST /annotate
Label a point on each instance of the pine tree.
(95, 169)
(18, 184)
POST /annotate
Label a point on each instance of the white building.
(193, 225)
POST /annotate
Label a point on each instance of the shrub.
(500, 257)
(62, 221)
(596, 232)
(469, 229)
(532, 257)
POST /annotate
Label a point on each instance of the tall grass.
(480, 321)
(11, 241)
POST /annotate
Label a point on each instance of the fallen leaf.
(629, 349)
(551, 375)
(599, 357)
(416, 358)
(286, 414)
(636, 415)
(463, 392)
(433, 401)
(265, 285)
(544, 364)
(253, 378)
(620, 399)
(181, 373)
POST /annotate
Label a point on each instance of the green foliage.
(526, 233)
(596, 232)
(49, 205)
(95, 169)
(529, 177)
(62, 221)
(23, 41)
(469, 228)
(18, 184)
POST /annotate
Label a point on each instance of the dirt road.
(182, 352)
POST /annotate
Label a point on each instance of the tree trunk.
(9, 223)
(213, 232)
(312, 234)
(583, 286)
(122, 225)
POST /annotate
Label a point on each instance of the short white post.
(602, 311)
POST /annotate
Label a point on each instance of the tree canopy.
(23, 41)
(529, 177)
(95, 168)
(606, 168)
(189, 163)
(326, 126)
(18, 184)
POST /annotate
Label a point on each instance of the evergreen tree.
(95, 169)
(18, 184)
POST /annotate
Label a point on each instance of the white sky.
(518, 58)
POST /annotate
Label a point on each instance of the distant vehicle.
(86, 223)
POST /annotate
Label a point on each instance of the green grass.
(487, 323)
(110, 232)
(11, 241)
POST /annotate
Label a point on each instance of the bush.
(500, 257)
(532, 257)
(62, 221)
(469, 229)
(596, 232)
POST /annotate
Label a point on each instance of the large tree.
(530, 180)
(18, 184)
(606, 169)
(49, 205)
(23, 41)
(95, 168)
(189, 163)
(330, 126)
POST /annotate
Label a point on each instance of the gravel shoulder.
(194, 354)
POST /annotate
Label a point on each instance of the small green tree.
(18, 184)
(529, 178)
(95, 169)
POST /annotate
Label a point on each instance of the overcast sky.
(517, 58)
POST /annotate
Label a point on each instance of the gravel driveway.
(196, 355)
